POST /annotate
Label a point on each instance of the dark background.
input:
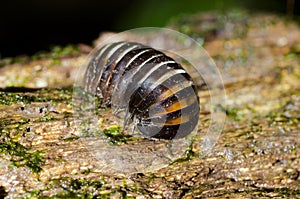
(29, 26)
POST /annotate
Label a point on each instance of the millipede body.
(147, 86)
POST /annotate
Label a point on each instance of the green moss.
(19, 154)
(280, 192)
(11, 98)
(7, 124)
(115, 135)
(14, 60)
(284, 192)
(33, 160)
(56, 52)
(234, 114)
(249, 132)
(258, 192)
(189, 154)
(295, 49)
(290, 56)
(47, 118)
(81, 188)
(71, 139)
(59, 159)
(43, 95)
(21, 59)
(55, 61)
(57, 95)
(32, 194)
(288, 113)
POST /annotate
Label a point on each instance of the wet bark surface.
(257, 154)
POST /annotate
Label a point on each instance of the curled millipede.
(147, 86)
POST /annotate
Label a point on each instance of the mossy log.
(257, 154)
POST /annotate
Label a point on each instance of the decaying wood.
(257, 154)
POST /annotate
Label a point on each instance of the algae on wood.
(257, 154)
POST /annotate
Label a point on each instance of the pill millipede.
(155, 91)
